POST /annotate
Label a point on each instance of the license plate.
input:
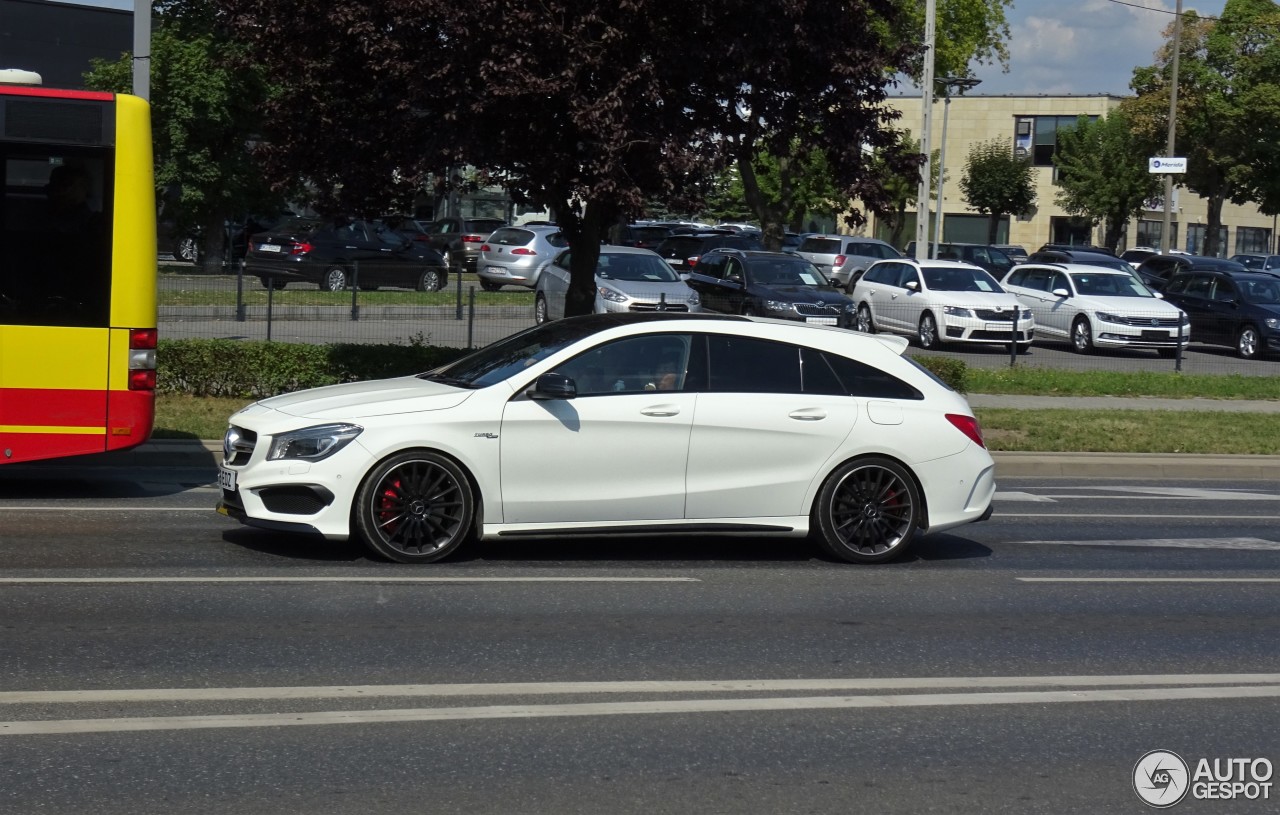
(1156, 335)
(268, 247)
(821, 320)
(227, 479)
(1005, 327)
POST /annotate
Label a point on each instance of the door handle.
(808, 414)
(660, 410)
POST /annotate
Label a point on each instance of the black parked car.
(1239, 309)
(336, 255)
(1089, 258)
(1157, 270)
(769, 284)
(682, 252)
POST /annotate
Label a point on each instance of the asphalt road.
(156, 657)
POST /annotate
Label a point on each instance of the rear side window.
(747, 365)
(872, 250)
(860, 379)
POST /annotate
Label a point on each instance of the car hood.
(1154, 306)
(975, 299)
(648, 289)
(353, 400)
(802, 294)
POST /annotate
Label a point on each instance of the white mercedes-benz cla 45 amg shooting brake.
(639, 423)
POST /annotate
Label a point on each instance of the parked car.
(769, 284)
(682, 251)
(1095, 307)
(515, 254)
(1156, 270)
(459, 239)
(598, 431)
(1076, 247)
(1089, 258)
(627, 279)
(337, 255)
(1137, 254)
(641, 236)
(1240, 309)
(940, 301)
(843, 258)
(984, 256)
(1015, 252)
(791, 240)
(1259, 263)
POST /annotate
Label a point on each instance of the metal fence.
(463, 315)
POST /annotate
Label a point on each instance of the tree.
(1102, 172)
(903, 189)
(997, 183)
(779, 189)
(204, 115)
(1228, 117)
(589, 108)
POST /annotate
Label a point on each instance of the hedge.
(247, 369)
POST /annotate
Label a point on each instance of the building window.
(1037, 136)
(1253, 240)
(1149, 234)
(1196, 235)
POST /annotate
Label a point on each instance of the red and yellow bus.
(77, 273)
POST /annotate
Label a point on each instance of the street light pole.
(1173, 129)
(947, 83)
(926, 87)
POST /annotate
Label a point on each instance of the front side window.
(657, 362)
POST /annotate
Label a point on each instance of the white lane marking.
(1194, 493)
(1149, 579)
(1022, 496)
(637, 686)
(1103, 516)
(1253, 544)
(123, 508)
(354, 579)
(117, 725)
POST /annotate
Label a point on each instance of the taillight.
(968, 426)
(838, 262)
(692, 261)
(472, 239)
(142, 359)
(299, 248)
(523, 251)
(485, 248)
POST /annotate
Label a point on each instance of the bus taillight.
(142, 359)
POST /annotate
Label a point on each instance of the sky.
(1056, 47)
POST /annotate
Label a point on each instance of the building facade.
(1030, 124)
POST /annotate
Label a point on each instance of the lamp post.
(926, 88)
(946, 84)
(1167, 225)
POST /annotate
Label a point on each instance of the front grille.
(654, 307)
(300, 499)
(1004, 315)
(1151, 322)
(237, 446)
(818, 309)
(999, 336)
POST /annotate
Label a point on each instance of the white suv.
(940, 301)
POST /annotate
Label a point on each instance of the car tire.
(415, 507)
(927, 334)
(1248, 342)
(272, 283)
(1082, 336)
(864, 321)
(868, 511)
(1167, 353)
(430, 280)
(1018, 348)
(335, 279)
(489, 285)
(187, 250)
(540, 309)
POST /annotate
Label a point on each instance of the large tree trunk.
(1213, 226)
(993, 226)
(772, 215)
(213, 243)
(584, 233)
(1113, 229)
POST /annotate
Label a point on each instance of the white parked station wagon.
(640, 423)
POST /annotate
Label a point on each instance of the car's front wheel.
(540, 309)
(1081, 336)
(867, 511)
(430, 280)
(415, 507)
(927, 334)
(335, 279)
(188, 250)
(489, 285)
(863, 322)
(1248, 344)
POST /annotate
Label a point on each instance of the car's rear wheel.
(335, 279)
(927, 334)
(188, 250)
(867, 511)
(489, 285)
(540, 309)
(272, 283)
(1248, 344)
(430, 280)
(415, 507)
(1081, 336)
(864, 323)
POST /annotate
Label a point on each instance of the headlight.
(612, 295)
(312, 443)
(1108, 317)
(1183, 319)
(1025, 314)
(848, 308)
(957, 311)
(693, 298)
(778, 305)
(1272, 322)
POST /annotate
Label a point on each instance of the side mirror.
(1061, 293)
(553, 386)
(1158, 295)
(914, 285)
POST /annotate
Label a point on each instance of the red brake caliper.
(387, 507)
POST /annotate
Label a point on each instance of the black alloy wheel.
(867, 511)
(415, 507)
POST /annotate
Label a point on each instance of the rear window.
(484, 225)
(679, 247)
(511, 237)
(820, 246)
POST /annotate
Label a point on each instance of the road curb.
(206, 454)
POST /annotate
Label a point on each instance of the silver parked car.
(516, 254)
(843, 258)
(627, 279)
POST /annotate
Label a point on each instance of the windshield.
(940, 278)
(785, 272)
(1109, 285)
(505, 358)
(646, 268)
(1260, 291)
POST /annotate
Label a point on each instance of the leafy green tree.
(205, 113)
(1102, 172)
(965, 31)
(902, 190)
(997, 183)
